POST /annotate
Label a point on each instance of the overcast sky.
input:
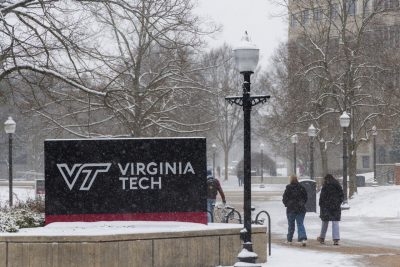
(259, 17)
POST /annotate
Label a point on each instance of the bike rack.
(232, 210)
(269, 229)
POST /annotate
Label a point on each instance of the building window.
(318, 14)
(381, 155)
(334, 9)
(365, 162)
(293, 20)
(366, 6)
(386, 4)
(305, 17)
(391, 4)
(351, 7)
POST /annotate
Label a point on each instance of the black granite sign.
(126, 179)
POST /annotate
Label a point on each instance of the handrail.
(269, 229)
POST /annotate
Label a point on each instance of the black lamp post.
(374, 134)
(214, 150)
(312, 133)
(246, 58)
(344, 123)
(9, 127)
(295, 140)
(262, 165)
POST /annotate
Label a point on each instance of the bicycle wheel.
(233, 217)
(218, 215)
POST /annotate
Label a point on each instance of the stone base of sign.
(191, 248)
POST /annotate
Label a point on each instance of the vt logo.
(88, 170)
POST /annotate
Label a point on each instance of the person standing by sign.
(213, 188)
(294, 198)
(330, 201)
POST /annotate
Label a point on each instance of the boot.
(321, 240)
(336, 242)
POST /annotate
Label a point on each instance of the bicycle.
(221, 212)
(228, 214)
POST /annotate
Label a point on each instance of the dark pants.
(240, 180)
(297, 217)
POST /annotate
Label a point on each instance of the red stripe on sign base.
(195, 217)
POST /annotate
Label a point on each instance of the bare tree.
(126, 67)
(223, 80)
(333, 67)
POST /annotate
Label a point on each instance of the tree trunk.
(226, 152)
(352, 170)
(324, 159)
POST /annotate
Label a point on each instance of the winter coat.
(294, 198)
(330, 200)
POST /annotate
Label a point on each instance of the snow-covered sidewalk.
(369, 229)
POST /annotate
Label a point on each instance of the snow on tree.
(96, 68)
(334, 65)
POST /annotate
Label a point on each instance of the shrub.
(22, 215)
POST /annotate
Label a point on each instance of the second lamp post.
(295, 140)
(344, 123)
(312, 133)
(262, 165)
(374, 134)
(9, 127)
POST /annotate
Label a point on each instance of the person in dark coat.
(240, 172)
(294, 198)
(330, 201)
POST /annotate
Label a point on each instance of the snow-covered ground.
(372, 220)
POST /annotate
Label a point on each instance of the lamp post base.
(246, 256)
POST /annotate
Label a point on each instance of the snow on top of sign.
(116, 227)
(122, 138)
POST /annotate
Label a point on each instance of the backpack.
(211, 188)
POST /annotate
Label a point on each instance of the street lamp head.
(312, 131)
(246, 55)
(344, 120)
(214, 146)
(374, 131)
(262, 145)
(9, 126)
(294, 138)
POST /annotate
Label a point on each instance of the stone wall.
(191, 248)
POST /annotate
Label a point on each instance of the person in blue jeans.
(213, 188)
(294, 198)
